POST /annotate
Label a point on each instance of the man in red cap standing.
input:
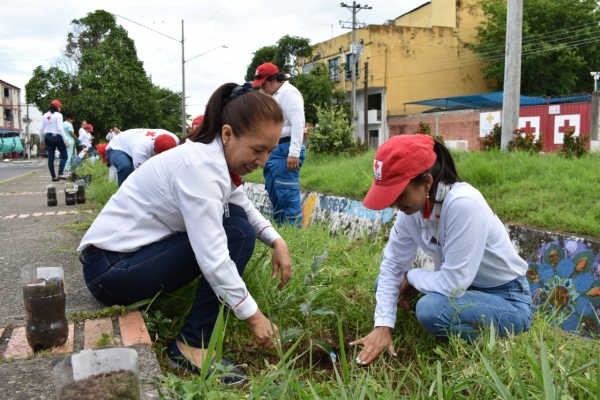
(282, 171)
(131, 148)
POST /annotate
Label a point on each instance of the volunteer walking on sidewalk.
(479, 279)
(184, 214)
(53, 134)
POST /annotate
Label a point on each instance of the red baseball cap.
(397, 161)
(89, 127)
(56, 103)
(197, 121)
(263, 72)
(163, 143)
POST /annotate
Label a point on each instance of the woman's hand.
(376, 341)
(407, 291)
(265, 332)
(281, 261)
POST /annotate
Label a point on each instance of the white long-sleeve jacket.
(292, 104)
(185, 189)
(52, 123)
(474, 249)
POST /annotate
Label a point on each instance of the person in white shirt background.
(110, 134)
(53, 134)
(85, 135)
(71, 138)
(183, 214)
(82, 130)
(479, 279)
(131, 148)
(282, 172)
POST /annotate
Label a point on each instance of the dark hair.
(443, 169)
(243, 113)
(278, 77)
(117, 126)
(69, 115)
(53, 109)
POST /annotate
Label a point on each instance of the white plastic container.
(98, 374)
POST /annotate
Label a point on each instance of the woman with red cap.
(53, 134)
(184, 214)
(479, 279)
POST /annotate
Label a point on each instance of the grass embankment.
(545, 191)
(338, 293)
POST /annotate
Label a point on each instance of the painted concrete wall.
(565, 268)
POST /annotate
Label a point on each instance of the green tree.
(108, 84)
(318, 90)
(169, 106)
(284, 54)
(559, 47)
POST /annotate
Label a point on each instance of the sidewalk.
(30, 231)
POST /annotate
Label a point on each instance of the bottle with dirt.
(98, 374)
(80, 191)
(51, 195)
(70, 193)
(44, 297)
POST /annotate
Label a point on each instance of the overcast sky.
(33, 32)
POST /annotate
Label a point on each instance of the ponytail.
(443, 170)
(244, 112)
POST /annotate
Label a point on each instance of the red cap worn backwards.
(56, 103)
(263, 72)
(397, 161)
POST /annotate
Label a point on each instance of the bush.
(525, 142)
(575, 146)
(425, 129)
(492, 140)
(334, 132)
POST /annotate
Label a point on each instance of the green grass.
(545, 191)
(543, 363)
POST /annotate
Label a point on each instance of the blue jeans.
(283, 186)
(53, 143)
(122, 162)
(126, 278)
(507, 306)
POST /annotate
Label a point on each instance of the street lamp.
(595, 75)
(183, 61)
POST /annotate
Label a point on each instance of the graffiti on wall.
(343, 215)
(566, 274)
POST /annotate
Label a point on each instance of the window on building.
(306, 68)
(374, 103)
(8, 114)
(6, 92)
(349, 63)
(373, 138)
(334, 69)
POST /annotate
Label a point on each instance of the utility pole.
(183, 118)
(354, 55)
(512, 71)
(28, 144)
(366, 100)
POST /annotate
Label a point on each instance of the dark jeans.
(126, 278)
(122, 162)
(53, 143)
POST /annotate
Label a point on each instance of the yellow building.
(419, 55)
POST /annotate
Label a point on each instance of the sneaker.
(231, 375)
(63, 177)
(54, 179)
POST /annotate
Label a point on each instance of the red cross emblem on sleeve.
(150, 133)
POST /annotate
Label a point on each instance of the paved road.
(12, 169)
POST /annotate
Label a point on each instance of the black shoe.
(231, 375)
(54, 179)
(63, 177)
